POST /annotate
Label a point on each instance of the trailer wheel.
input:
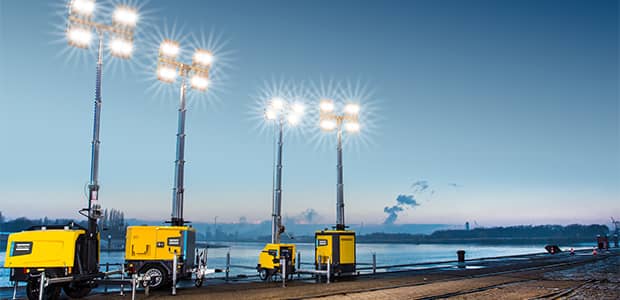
(157, 274)
(263, 274)
(76, 292)
(32, 290)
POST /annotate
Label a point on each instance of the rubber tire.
(76, 292)
(198, 282)
(156, 270)
(263, 274)
(32, 290)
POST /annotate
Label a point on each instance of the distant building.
(466, 225)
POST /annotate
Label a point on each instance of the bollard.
(227, 265)
(122, 292)
(174, 274)
(329, 268)
(374, 263)
(107, 269)
(133, 287)
(42, 286)
(298, 264)
(320, 267)
(283, 266)
(15, 290)
(461, 258)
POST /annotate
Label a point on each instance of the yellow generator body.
(151, 250)
(53, 248)
(269, 259)
(336, 247)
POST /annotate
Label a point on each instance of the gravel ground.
(603, 279)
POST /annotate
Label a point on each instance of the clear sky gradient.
(509, 109)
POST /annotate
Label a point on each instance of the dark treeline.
(544, 234)
(112, 222)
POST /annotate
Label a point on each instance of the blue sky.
(515, 102)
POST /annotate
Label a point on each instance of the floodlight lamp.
(352, 126)
(121, 47)
(326, 105)
(83, 7)
(79, 36)
(199, 82)
(125, 16)
(166, 74)
(328, 125)
(352, 109)
(293, 119)
(203, 57)
(298, 108)
(169, 48)
(277, 103)
(270, 114)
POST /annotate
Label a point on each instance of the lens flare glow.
(169, 48)
(352, 109)
(121, 47)
(125, 15)
(203, 57)
(166, 74)
(352, 126)
(293, 119)
(270, 114)
(79, 37)
(298, 108)
(328, 125)
(199, 82)
(277, 103)
(83, 7)
(326, 105)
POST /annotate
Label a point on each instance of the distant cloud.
(402, 202)
(419, 186)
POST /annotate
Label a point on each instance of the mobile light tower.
(61, 251)
(281, 113)
(337, 247)
(155, 250)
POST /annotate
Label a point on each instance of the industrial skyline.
(507, 111)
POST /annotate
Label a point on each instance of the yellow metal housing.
(50, 248)
(158, 242)
(269, 257)
(337, 247)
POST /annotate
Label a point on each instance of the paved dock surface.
(540, 277)
(545, 276)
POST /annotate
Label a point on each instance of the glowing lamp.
(352, 126)
(277, 103)
(271, 114)
(121, 47)
(326, 105)
(293, 119)
(328, 125)
(169, 48)
(203, 57)
(79, 37)
(83, 7)
(166, 74)
(352, 109)
(199, 82)
(125, 15)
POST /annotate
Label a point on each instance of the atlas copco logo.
(21, 248)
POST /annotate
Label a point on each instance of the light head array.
(280, 110)
(330, 120)
(168, 68)
(80, 27)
